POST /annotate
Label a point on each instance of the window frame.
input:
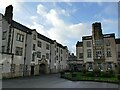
(19, 51)
(38, 54)
(4, 34)
(39, 43)
(47, 47)
(89, 53)
(88, 43)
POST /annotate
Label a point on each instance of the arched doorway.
(42, 68)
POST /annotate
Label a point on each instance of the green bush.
(84, 71)
(104, 74)
(89, 74)
(73, 75)
(108, 74)
(97, 72)
(119, 77)
(111, 72)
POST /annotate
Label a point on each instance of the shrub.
(74, 74)
(97, 72)
(103, 74)
(90, 74)
(119, 77)
(111, 72)
(108, 74)
(84, 71)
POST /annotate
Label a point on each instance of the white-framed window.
(80, 55)
(88, 43)
(47, 55)
(107, 42)
(90, 66)
(89, 54)
(4, 35)
(57, 50)
(98, 42)
(19, 51)
(38, 54)
(21, 67)
(56, 57)
(109, 52)
(20, 37)
(33, 46)
(39, 44)
(3, 48)
(12, 67)
(109, 66)
(61, 58)
(55, 60)
(33, 57)
(100, 66)
(34, 36)
(47, 46)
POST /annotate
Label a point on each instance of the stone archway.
(42, 68)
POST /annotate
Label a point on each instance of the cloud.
(49, 23)
(54, 19)
(5, 3)
(40, 28)
(33, 17)
(59, 30)
(41, 10)
(62, 31)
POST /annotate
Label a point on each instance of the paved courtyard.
(52, 81)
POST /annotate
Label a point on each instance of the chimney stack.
(9, 13)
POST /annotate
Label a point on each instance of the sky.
(66, 22)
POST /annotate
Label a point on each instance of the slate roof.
(117, 40)
(29, 31)
(79, 44)
(21, 27)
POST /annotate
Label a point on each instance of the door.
(32, 70)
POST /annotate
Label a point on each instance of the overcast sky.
(65, 22)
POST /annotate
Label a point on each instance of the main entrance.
(32, 70)
(42, 68)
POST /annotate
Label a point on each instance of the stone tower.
(98, 43)
(97, 31)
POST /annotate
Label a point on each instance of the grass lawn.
(77, 76)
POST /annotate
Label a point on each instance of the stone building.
(99, 51)
(26, 52)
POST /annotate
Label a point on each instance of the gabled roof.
(60, 45)
(29, 31)
(21, 27)
(40, 36)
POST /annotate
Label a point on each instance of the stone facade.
(99, 51)
(25, 52)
